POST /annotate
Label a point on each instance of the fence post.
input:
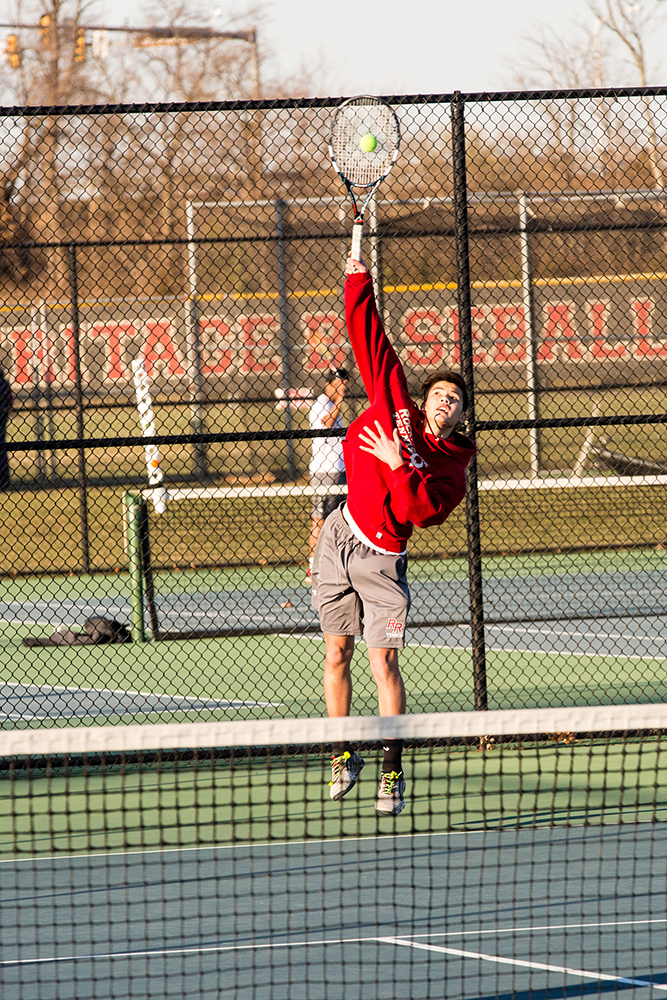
(284, 331)
(35, 376)
(46, 374)
(375, 255)
(531, 368)
(465, 338)
(80, 423)
(194, 350)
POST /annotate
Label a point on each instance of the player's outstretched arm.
(376, 359)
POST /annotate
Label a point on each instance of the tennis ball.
(368, 143)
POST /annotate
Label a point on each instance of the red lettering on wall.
(559, 336)
(325, 337)
(113, 333)
(422, 330)
(259, 344)
(215, 346)
(160, 351)
(70, 356)
(600, 351)
(509, 323)
(24, 355)
(647, 347)
(480, 355)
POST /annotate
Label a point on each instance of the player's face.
(443, 408)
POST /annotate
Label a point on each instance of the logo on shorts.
(394, 628)
(404, 427)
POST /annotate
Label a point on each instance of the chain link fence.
(172, 305)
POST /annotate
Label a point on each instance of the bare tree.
(53, 68)
(551, 59)
(630, 24)
(608, 51)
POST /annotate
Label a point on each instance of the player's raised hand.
(386, 449)
(355, 266)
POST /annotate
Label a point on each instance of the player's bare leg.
(391, 701)
(337, 676)
(391, 691)
(346, 764)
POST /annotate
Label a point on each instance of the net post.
(473, 532)
(133, 503)
(147, 570)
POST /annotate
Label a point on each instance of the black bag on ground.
(96, 632)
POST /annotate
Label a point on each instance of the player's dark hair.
(445, 375)
(341, 373)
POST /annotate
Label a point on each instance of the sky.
(405, 46)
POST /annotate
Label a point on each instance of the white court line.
(564, 631)
(498, 960)
(582, 925)
(541, 652)
(26, 621)
(324, 942)
(236, 847)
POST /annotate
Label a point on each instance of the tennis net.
(231, 560)
(208, 860)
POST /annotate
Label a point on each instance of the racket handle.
(357, 235)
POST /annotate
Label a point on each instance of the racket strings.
(351, 124)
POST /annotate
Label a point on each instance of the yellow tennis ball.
(368, 143)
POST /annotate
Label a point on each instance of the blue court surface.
(529, 914)
(551, 587)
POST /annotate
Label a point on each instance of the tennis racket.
(365, 137)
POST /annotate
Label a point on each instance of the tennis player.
(327, 467)
(405, 468)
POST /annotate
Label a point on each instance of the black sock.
(392, 756)
(339, 749)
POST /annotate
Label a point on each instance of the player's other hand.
(386, 449)
(355, 266)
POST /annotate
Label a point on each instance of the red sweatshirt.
(387, 504)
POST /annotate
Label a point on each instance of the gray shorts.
(358, 591)
(324, 502)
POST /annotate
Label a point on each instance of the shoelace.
(337, 765)
(388, 782)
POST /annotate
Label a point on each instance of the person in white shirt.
(326, 465)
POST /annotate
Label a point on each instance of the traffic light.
(13, 51)
(80, 45)
(45, 30)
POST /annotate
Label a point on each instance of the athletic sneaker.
(344, 772)
(389, 801)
